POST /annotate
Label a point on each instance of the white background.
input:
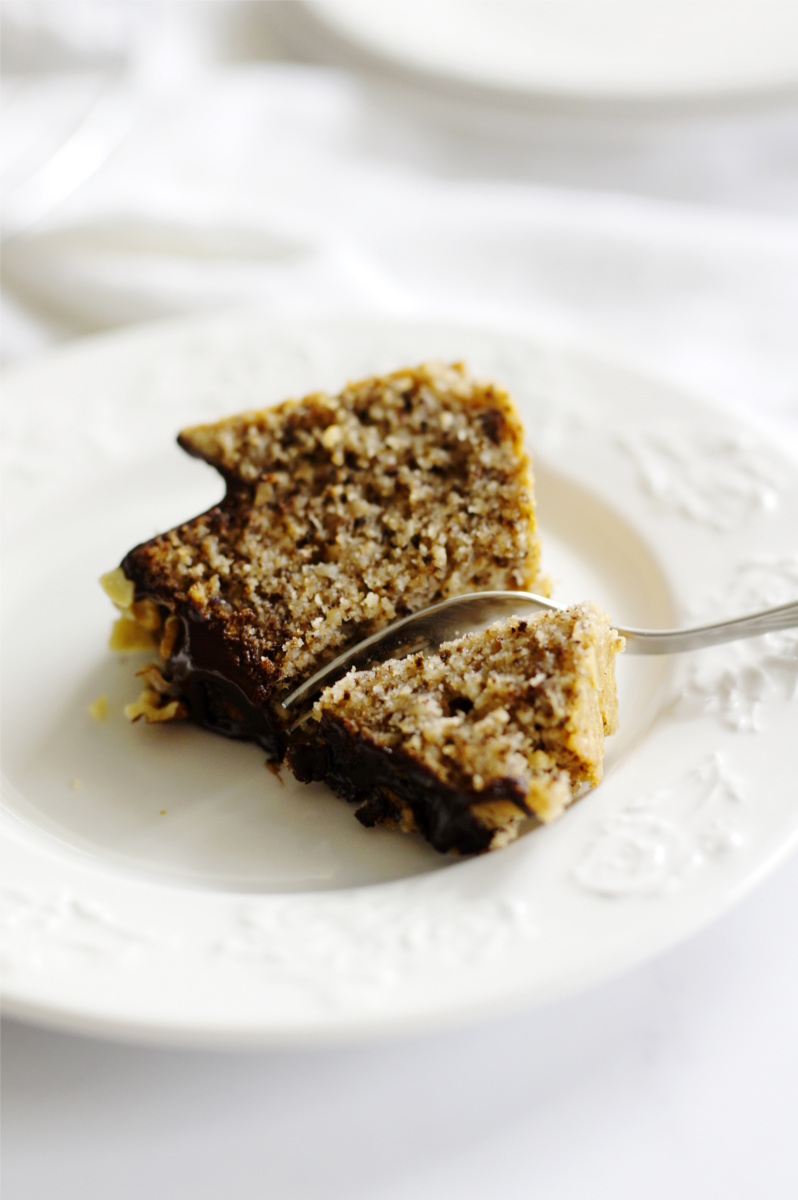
(249, 176)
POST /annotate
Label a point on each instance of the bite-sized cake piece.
(462, 745)
(342, 513)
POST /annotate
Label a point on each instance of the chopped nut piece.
(147, 614)
(117, 585)
(170, 631)
(151, 674)
(333, 435)
(127, 635)
(147, 706)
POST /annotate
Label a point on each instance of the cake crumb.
(77, 784)
(98, 709)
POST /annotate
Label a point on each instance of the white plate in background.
(583, 50)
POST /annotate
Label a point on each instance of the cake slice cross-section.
(342, 513)
(462, 746)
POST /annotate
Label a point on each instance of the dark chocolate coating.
(224, 697)
(213, 680)
(374, 776)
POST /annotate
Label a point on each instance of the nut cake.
(342, 513)
(463, 745)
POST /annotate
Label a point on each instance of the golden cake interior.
(342, 513)
(499, 725)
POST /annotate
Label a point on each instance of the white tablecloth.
(312, 192)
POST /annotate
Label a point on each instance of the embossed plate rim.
(203, 968)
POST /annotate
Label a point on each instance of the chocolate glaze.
(224, 696)
(220, 693)
(219, 705)
(376, 776)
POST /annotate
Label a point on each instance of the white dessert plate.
(630, 51)
(161, 884)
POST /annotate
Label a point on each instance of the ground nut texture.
(342, 513)
(462, 745)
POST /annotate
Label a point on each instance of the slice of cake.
(462, 745)
(342, 513)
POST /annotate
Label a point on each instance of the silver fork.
(428, 629)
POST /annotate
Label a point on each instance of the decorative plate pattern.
(184, 894)
(41, 931)
(650, 845)
(738, 683)
(339, 946)
(718, 479)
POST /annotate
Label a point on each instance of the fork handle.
(671, 641)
